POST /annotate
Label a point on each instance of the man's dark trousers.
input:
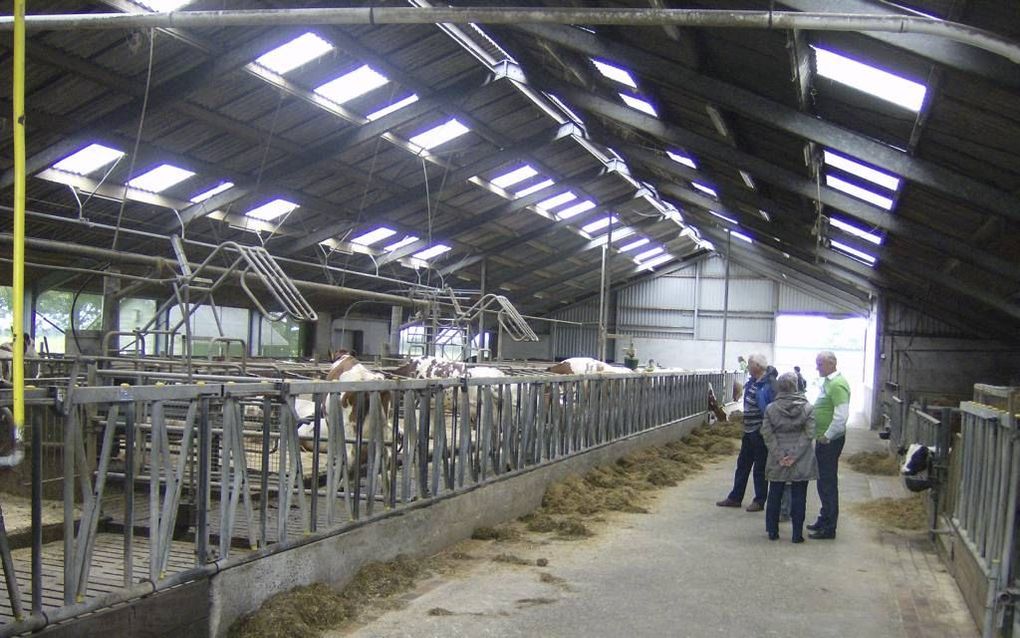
(751, 460)
(827, 455)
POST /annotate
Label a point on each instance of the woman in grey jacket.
(788, 429)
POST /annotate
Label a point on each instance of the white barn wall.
(376, 335)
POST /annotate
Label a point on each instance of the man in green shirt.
(832, 410)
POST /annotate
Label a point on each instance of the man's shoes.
(728, 503)
(773, 536)
(814, 527)
(798, 539)
(755, 506)
(822, 534)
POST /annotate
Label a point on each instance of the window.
(295, 53)
(272, 210)
(203, 330)
(53, 318)
(615, 73)
(437, 135)
(870, 79)
(89, 159)
(639, 104)
(350, 85)
(160, 178)
(133, 315)
(279, 338)
(392, 108)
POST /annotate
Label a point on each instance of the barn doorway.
(799, 338)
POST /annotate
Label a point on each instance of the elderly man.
(757, 395)
(832, 409)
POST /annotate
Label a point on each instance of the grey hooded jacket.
(788, 429)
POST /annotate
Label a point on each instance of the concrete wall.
(421, 529)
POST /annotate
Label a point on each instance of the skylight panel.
(160, 178)
(723, 217)
(410, 239)
(162, 6)
(374, 236)
(350, 85)
(599, 224)
(88, 159)
(748, 180)
(639, 104)
(514, 176)
(741, 236)
(854, 230)
(858, 192)
(429, 253)
(870, 79)
(634, 244)
(392, 108)
(705, 189)
(622, 233)
(215, 190)
(439, 134)
(648, 253)
(534, 189)
(556, 200)
(576, 209)
(765, 215)
(298, 51)
(658, 261)
(271, 210)
(853, 252)
(860, 170)
(615, 73)
(682, 159)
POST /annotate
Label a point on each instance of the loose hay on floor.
(878, 463)
(909, 513)
(498, 533)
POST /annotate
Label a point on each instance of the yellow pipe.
(19, 218)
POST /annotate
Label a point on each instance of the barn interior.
(211, 200)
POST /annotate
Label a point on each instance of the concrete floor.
(693, 569)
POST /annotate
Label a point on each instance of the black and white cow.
(916, 468)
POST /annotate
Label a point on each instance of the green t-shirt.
(835, 391)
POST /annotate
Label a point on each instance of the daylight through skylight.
(576, 209)
(599, 224)
(439, 134)
(514, 176)
(350, 85)
(429, 253)
(534, 188)
(870, 79)
(215, 190)
(88, 159)
(410, 239)
(860, 170)
(857, 191)
(639, 104)
(683, 159)
(298, 51)
(658, 261)
(853, 252)
(162, 5)
(392, 108)
(648, 253)
(854, 230)
(634, 244)
(556, 200)
(741, 236)
(160, 178)
(374, 236)
(705, 189)
(271, 210)
(723, 217)
(615, 73)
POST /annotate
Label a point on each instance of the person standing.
(788, 430)
(832, 410)
(801, 381)
(751, 460)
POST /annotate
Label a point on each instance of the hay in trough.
(305, 612)
(878, 463)
(909, 513)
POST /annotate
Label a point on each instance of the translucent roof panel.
(651, 252)
(160, 178)
(599, 224)
(441, 134)
(638, 103)
(615, 73)
(576, 209)
(741, 236)
(634, 244)
(870, 79)
(858, 192)
(657, 261)
(350, 85)
(410, 239)
(682, 159)
(847, 227)
(705, 189)
(215, 190)
(300, 50)
(884, 180)
(392, 108)
(853, 252)
(162, 5)
(374, 236)
(429, 253)
(723, 217)
(556, 200)
(534, 188)
(89, 159)
(517, 175)
(271, 210)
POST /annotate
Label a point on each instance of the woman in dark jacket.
(788, 429)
